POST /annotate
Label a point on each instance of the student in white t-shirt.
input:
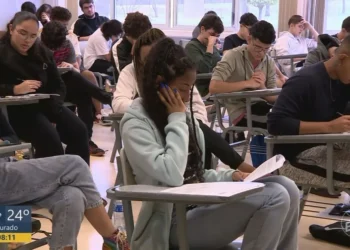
(292, 43)
(97, 57)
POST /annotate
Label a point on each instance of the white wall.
(10, 8)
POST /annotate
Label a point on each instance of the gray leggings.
(62, 184)
(268, 220)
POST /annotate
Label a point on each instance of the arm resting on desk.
(204, 62)
(314, 139)
(217, 87)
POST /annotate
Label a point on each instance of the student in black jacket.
(135, 24)
(26, 67)
(88, 22)
(313, 102)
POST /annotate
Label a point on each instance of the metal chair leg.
(303, 200)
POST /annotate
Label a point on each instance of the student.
(165, 147)
(291, 42)
(43, 13)
(127, 90)
(63, 16)
(202, 50)
(235, 40)
(62, 184)
(96, 56)
(27, 67)
(89, 21)
(326, 46)
(135, 25)
(345, 29)
(239, 39)
(311, 102)
(28, 6)
(248, 67)
(197, 29)
(79, 90)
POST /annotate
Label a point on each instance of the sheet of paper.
(222, 189)
(267, 167)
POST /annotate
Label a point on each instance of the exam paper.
(267, 167)
(221, 189)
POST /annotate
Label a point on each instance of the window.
(263, 9)
(156, 10)
(228, 10)
(335, 12)
(190, 12)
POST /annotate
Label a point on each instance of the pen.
(340, 114)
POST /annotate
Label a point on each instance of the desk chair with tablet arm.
(220, 99)
(303, 178)
(131, 191)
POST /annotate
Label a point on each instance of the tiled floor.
(104, 175)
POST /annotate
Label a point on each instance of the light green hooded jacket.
(162, 162)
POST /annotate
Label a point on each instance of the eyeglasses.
(257, 48)
(25, 36)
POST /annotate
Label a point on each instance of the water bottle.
(119, 223)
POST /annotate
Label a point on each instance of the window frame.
(160, 26)
(176, 27)
(172, 28)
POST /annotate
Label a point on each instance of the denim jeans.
(62, 184)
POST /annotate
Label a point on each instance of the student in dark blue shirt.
(312, 102)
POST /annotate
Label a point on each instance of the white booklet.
(266, 168)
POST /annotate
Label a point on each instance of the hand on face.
(212, 40)
(306, 24)
(171, 99)
(45, 18)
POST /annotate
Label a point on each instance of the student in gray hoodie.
(326, 46)
(165, 147)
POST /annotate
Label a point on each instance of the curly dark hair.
(263, 31)
(169, 61)
(54, 35)
(136, 24)
(59, 13)
(148, 38)
(111, 28)
(212, 21)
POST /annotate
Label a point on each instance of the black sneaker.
(95, 150)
